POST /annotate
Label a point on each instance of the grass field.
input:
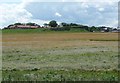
(55, 56)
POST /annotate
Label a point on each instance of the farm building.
(23, 27)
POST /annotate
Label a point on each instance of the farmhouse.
(23, 27)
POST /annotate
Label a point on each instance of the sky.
(87, 12)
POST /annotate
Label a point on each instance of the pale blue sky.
(90, 13)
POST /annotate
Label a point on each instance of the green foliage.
(45, 24)
(60, 75)
(18, 24)
(73, 24)
(53, 23)
(42, 30)
(67, 26)
(9, 26)
(60, 29)
(16, 31)
(64, 24)
(31, 24)
(78, 30)
(94, 29)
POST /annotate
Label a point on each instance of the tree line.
(68, 26)
(53, 25)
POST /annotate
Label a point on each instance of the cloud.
(12, 12)
(101, 9)
(103, 12)
(58, 14)
(74, 1)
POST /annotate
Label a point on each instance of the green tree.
(73, 24)
(18, 24)
(53, 23)
(64, 24)
(31, 24)
(45, 25)
(93, 28)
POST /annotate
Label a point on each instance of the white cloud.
(110, 1)
(112, 23)
(38, 21)
(58, 14)
(101, 9)
(11, 13)
(75, 0)
(91, 0)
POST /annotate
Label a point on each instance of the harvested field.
(67, 56)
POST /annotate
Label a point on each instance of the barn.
(23, 27)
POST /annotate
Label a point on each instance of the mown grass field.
(59, 56)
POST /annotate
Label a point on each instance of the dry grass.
(57, 44)
(51, 40)
(56, 51)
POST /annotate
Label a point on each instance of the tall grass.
(59, 75)
(58, 57)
